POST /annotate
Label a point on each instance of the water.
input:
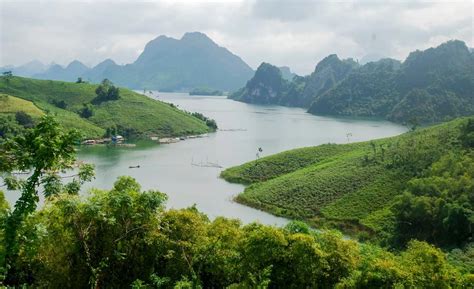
(245, 128)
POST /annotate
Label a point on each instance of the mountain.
(178, 64)
(71, 72)
(369, 82)
(165, 64)
(28, 69)
(132, 114)
(286, 73)
(100, 70)
(327, 74)
(429, 86)
(269, 86)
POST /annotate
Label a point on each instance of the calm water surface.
(244, 128)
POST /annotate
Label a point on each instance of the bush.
(106, 91)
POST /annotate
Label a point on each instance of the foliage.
(9, 127)
(24, 119)
(205, 91)
(106, 91)
(43, 152)
(125, 238)
(7, 76)
(131, 111)
(209, 122)
(439, 207)
(86, 111)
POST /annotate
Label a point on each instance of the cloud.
(295, 33)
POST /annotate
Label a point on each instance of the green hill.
(132, 114)
(350, 186)
(433, 85)
(430, 86)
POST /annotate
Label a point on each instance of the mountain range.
(433, 85)
(166, 64)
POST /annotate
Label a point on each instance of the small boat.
(134, 167)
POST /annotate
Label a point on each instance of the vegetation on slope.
(11, 105)
(205, 91)
(432, 85)
(125, 238)
(131, 114)
(357, 186)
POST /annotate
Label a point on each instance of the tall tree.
(43, 152)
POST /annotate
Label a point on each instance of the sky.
(296, 33)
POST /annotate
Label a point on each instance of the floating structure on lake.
(168, 140)
(206, 164)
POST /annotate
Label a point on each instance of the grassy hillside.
(132, 113)
(350, 186)
(10, 104)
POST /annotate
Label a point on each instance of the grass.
(133, 111)
(10, 105)
(347, 185)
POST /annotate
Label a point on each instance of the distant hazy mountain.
(71, 72)
(286, 72)
(178, 64)
(430, 86)
(166, 64)
(27, 69)
(98, 71)
(371, 57)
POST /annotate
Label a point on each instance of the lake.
(243, 129)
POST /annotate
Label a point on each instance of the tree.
(24, 119)
(7, 75)
(106, 91)
(86, 111)
(79, 80)
(108, 240)
(44, 152)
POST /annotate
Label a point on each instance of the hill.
(133, 114)
(27, 70)
(354, 186)
(269, 85)
(432, 85)
(166, 64)
(429, 86)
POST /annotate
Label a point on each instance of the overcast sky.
(295, 33)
